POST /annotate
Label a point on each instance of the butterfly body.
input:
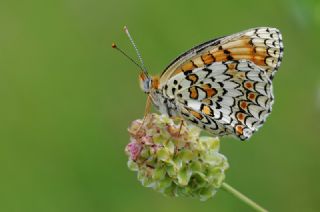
(224, 85)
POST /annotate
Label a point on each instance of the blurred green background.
(67, 99)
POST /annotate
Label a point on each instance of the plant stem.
(242, 197)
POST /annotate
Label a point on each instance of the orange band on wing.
(210, 92)
(207, 110)
(196, 114)
(193, 93)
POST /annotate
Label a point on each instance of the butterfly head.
(148, 83)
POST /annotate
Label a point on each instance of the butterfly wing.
(232, 97)
(262, 46)
(224, 85)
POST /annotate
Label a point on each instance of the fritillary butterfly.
(224, 86)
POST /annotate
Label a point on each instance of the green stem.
(242, 197)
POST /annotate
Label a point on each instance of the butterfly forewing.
(262, 46)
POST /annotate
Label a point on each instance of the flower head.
(175, 160)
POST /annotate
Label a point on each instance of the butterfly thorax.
(151, 86)
(164, 104)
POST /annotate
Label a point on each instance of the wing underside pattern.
(225, 85)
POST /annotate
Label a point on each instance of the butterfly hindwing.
(232, 97)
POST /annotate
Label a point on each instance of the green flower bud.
(175, 161)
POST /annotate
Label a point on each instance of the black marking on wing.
(207, 70)
(197, 49)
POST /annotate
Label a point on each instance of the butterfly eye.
(144, 82)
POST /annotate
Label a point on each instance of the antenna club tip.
(113, 45)
(125, 28)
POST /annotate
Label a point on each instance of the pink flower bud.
(133, 149)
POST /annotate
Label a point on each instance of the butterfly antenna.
(127, 56)
(137, 51)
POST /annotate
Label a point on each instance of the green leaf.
(178, 163)
(210, 142)
(199, 180)
(170, 191)
(162, 185)
(207, 193)
(159, 139)
(186, 155)
(196, 166)
(133, 166)
(170, 145)
(183, 191)
(144, 153)
(212, 159)
(171, 170)
(163, 154)
(159, 173)
(184, 176)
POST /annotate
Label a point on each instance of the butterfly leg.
(146, 112)
(180, 128)
(147, 109)
(181, 123)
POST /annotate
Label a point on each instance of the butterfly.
(224, 85)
